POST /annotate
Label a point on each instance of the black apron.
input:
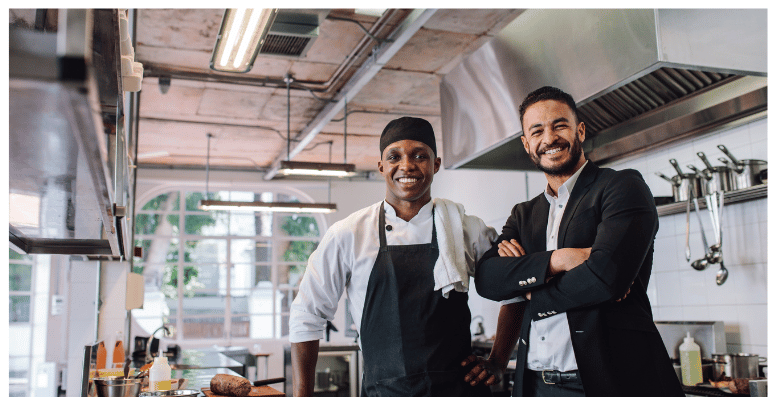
(413, 340)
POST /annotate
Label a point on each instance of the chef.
(405, 263)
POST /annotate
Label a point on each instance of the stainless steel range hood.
(641, 79)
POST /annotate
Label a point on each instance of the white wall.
(677, 291)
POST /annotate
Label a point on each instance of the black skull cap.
(412, 128)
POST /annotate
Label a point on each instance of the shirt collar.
(566, 188)
(425, 211)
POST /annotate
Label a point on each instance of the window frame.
(275, 238)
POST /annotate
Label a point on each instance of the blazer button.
(521, 283)
(530, 280)
(533, 279)
(541, 314)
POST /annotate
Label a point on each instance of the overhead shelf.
(65, 101)
(732, 197)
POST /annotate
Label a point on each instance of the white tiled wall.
(677, 291)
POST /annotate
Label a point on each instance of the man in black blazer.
(573, 252)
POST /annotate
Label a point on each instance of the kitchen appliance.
(337, 371)
(746, 173)
(641, 80)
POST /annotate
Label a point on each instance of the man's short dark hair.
(547, 93)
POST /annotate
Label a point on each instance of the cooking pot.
(682, 183)
(745, 173)
(745, 365)
(740, 365)
(713, 178)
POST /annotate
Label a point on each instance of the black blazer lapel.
(540, 217)
(580, 190)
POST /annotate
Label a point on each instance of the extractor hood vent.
(293, 32)
(647, 93)
(641, 79)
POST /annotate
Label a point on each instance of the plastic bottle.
(690, 361)
(160, 375)
(118, 355)
(101, 356)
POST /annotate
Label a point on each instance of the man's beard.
(565, 168)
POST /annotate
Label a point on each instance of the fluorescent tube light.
(241, 35)
(308, 168)
(260, 206)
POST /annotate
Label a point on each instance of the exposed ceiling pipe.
(159, 70)
(362, 76)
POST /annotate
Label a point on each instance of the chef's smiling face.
(408, 168)
(552, 136)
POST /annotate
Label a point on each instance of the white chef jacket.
(345, 258)
(550, 346)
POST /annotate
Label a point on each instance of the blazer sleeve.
(503, 278)
(624, 238)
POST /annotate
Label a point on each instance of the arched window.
(220, 276)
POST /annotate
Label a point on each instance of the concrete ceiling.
(247, 113)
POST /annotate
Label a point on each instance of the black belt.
(557, 377)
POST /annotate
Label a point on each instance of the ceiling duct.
(640, 78)
(293, 32)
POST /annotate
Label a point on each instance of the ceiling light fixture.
(307, 168)
(257, 206)
(241, 35)
(261, 206)
(311, 168)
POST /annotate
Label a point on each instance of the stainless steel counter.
(210, 358)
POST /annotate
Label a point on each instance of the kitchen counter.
(199, 378)
(196, 359)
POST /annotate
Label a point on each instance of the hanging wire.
(345, 129)
(288, 80)
(207, 165)
(330, 148)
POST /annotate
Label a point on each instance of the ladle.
(688, 227)
(703, 263)
(722, 274)
(716, 203)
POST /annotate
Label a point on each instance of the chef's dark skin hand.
(484, 371)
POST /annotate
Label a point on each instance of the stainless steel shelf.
(733, 197)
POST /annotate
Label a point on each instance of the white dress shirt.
(550, 346)
(345, 257)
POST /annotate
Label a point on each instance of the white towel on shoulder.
(451, 270)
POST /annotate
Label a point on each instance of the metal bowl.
(117, 386)
(171, 393)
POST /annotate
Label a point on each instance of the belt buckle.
(544, 378)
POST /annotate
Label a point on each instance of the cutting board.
(256, 391)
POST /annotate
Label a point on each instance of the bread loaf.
(230, 385)
(739, 385)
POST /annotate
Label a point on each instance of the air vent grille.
(649, 92)
(285, 45)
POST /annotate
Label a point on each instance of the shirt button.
(542, 338)
(388, 227)
(561, 206)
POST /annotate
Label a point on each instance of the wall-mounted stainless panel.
(724, 40)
